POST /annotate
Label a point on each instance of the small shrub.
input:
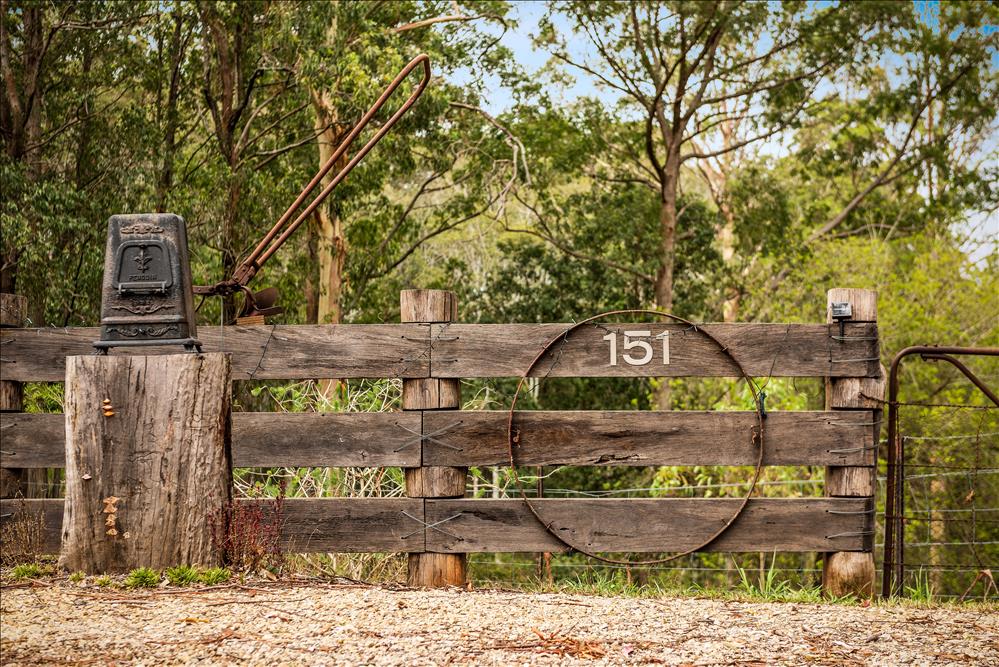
(27, 571)
(77, 577)
(245, 537)
(22, 538)
(142, 577)
(182, 575)
(215, 575)
(103, 581)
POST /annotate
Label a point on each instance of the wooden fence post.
(148, 460)
(13, 312)
(852, 572)
(433, 569)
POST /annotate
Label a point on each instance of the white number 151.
(643, 345)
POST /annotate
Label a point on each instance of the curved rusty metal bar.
(893, 566)
(248, 268)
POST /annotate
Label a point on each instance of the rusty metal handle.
(271, 242)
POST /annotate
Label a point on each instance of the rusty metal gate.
(942, 487)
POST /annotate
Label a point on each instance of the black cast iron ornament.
(147, 295)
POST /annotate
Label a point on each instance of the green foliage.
(921, 590)
(215, 575)
(182, 575)
(77, 577)
(28, 571)
(771, 588)
(142, 577)
(103, 581)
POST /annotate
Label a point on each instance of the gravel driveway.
(366, 625)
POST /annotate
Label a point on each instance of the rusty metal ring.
(757, 438)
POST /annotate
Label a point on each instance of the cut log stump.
(148, 462)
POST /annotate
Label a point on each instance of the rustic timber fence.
(435, 443)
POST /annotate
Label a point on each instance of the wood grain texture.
(11, 396)
(275, 352)
(346, 525)
(649, 525)
(849, 481)
(633, 438)
(153, 435)
(260, 440)
(13, 482)
(431, 394)
(378, 524)
(427, 305)
(13, 310)
(506, 350)
(842, 572)
(309, 525)
(436, 482)
(14, 479)
(847, 395)
(432, 570)
(848, 573)
(605, 438)
(362, 440)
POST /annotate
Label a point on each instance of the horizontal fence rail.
(318, 525)
(286, 352)
(665, 350)
(637, 438)
(269, 352)
(581, 438)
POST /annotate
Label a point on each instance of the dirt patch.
(316, 625)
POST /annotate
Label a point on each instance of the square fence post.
(14, 481)
(433, 569)
(852, 572)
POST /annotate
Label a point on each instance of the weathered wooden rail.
(436, 444)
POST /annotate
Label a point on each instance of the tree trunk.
(331, 244)
(726, 239)
(148, 462)
(664, 277)
(230, 220)
(667, 250)
(177, 44)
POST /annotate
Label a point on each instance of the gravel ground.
(366, 625)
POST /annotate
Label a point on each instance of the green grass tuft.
(215, 575)
(27, 571)
(77, 577)
(142, 577)
(182, 575)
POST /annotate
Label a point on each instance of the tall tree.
(682, 72)
(244, 88)
(420, 181)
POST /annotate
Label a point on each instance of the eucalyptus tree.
(427, 176)
(677, 74)
(69, 145)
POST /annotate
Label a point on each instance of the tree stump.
(148, 460)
